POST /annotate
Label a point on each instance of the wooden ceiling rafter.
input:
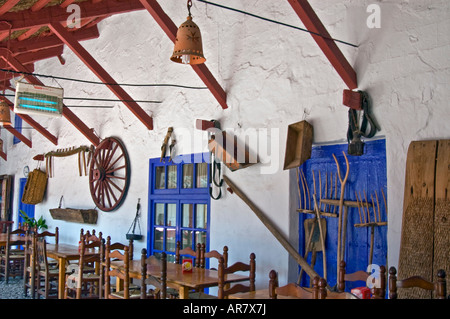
(37, 43)
(101, 73)
(55, 14)
(328, 46)
(8, 5)
(202, 70)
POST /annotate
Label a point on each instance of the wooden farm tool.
(367, 222)
(81, 151)
(341, 218)
(291, 250)
(165, 143)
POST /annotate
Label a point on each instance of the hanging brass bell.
(5, 116)
(188, 44)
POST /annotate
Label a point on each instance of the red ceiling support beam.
(27, 19)
(95, 67)
(170, 29)
(39, 5)
(8, 5)
(327, 45)
(38, 43)
(19, 135)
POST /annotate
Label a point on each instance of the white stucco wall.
(273, 76)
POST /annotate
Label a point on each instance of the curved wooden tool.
(341, 206)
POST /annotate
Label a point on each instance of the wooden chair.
(121, 252)
(188, 251)
(47, 277)
(291, 290)
(158, 282)
(212, 254)
(343, 277)
(226, 290)
(29, 271)
(438, 289)
(12, 260)
(81, 284)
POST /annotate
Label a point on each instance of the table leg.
(184, 292)
(62, 277)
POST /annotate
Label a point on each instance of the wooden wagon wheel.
(109, 174)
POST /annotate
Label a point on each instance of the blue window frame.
(179, 203)
(18, 127)
(367, 175)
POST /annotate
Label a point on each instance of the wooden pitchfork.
(341, 218)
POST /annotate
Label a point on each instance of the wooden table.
(199, 278)
(63, 253)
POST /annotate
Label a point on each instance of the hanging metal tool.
(135, 223)
(215, 169)
(359, 104)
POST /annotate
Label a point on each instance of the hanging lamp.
(5, 115)
(188, 43)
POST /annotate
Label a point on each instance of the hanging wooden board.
(416, 248)
(441, 258)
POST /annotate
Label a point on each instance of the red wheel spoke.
(111, 191)
(118, 177)
(107, 193)
(114, 163)
(110, 156)
(113, 184)
(115, 169)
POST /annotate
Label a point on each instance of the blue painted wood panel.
(367, 175)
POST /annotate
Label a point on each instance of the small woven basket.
(35, 187)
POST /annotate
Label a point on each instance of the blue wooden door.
(367, 178)
(27, 208)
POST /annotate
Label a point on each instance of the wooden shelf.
(85, 216)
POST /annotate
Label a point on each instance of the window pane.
(187, 215)
(202, 175)
(200, 237)
(170, 239)
(201, 216)
(159, 214)
(171, 214)
(160, 182)
(188, 175)
(172, 176)
(158, 239)
(187, 239)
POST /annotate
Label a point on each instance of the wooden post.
(291, 250)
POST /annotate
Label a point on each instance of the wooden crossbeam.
(170, 29)
(101, 73)
(327, 45)
(37, 43)
(19, 135)
(27, 18)
(8, 5)
(39, 5)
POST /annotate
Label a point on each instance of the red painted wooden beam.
(98, 70)
(3, 155)
(39, 5)
(327, 45)
(8, 5)
(19, 135)
(27, 19)
(171, 29)
(50, 41)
